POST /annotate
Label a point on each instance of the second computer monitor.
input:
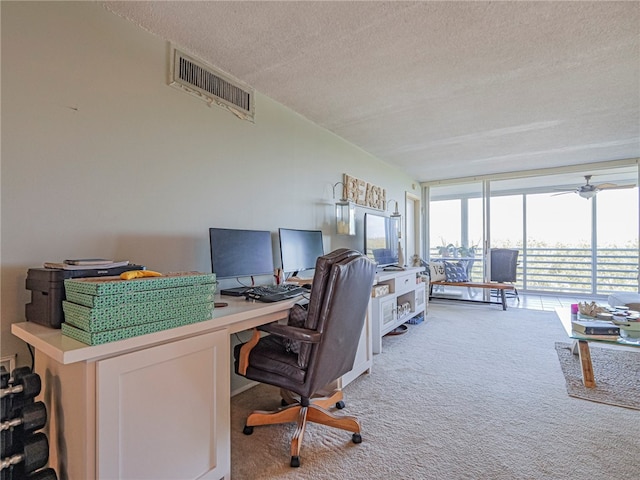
(299, 249)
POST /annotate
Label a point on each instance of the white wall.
(100, 157)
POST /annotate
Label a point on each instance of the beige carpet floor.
(474, 392)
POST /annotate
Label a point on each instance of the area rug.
(616, 371)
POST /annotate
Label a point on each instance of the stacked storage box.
(106, 309)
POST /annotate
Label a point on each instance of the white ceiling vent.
(211, 85)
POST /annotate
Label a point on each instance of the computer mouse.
(307, 286)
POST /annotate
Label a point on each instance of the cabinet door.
(388, 308)
(163, 412)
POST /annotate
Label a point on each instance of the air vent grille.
(210, 85)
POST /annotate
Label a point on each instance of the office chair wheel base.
(295, 461)
(247, 430)
(356, 438)
(340, 405)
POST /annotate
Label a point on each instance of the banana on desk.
(131, 274)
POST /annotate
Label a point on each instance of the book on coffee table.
(595, 327)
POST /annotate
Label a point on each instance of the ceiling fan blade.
(613, 186)
(563, 193)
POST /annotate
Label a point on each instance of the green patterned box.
(102, 301)
(117, 286)
(126, 315)
(98, 338)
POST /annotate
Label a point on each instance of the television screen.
(240, 253)
(380, 239)
(299, 249)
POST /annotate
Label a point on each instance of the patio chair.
(504, 265)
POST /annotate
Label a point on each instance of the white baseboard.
(243, 388)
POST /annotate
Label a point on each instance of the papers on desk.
(86, 264)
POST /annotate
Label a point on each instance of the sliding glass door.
(616, 241)
(456, 226)
(568, 239)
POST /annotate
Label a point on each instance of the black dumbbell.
(19, 393)
(4, 377)
(31, 417)
(44, 474)
(28, 419)
(5, 405)
(19, 372)
(24, 387)
(6, 444)
(33, 455)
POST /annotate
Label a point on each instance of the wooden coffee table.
(581, 345)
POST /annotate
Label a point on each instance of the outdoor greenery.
(569, 268)
(554, 235)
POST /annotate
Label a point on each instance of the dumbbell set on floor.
(25, 451)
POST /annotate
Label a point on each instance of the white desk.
(153, 406)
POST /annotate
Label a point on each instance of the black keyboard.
(274, 293)
(235, 292)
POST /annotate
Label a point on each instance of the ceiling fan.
(589, 191)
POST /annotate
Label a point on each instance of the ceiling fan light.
(587, 193)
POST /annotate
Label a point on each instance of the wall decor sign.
(364, 194)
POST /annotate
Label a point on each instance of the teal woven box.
(103, 301)
(117, 286)
(98, 338)
(126, 315)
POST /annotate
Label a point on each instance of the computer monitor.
(299, 249)
(240, 253)
(380, 239)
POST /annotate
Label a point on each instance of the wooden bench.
(501, 287)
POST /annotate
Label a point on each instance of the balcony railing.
(571, 270)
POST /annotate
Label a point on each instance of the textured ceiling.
(439, 89)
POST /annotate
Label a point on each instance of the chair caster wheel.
(356, 438)
(295, 462)
(340, 405)
(247, 430)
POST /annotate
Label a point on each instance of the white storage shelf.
(386, 310)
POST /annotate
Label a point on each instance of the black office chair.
(328, 342)
(504, 265)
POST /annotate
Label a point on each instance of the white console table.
(148, 407)
(385, 312)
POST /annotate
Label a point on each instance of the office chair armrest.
(292, 333)
(245, 350)
(286, 331)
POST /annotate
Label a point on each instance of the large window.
(617, 240)
(456, 222)
(558, 243)
(567, 242)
